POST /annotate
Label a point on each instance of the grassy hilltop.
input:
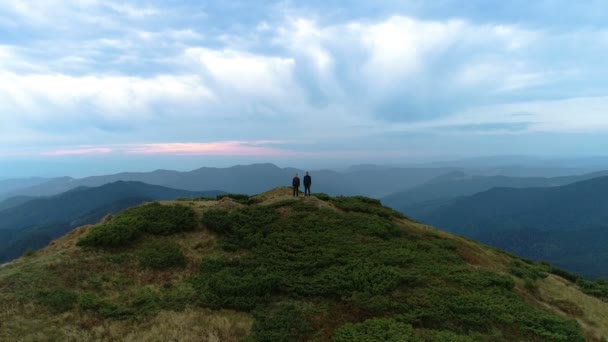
(275, 268)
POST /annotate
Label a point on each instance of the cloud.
(79, 151)
(91, 72)
(89, 100)
(245, 73)
(223, 148)
(489, 127)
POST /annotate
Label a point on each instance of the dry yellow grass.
(591, 312)
(34, 323)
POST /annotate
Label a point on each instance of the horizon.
(474, 166)
(91, 87)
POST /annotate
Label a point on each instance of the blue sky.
(92, 86)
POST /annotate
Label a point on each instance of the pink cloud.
(234, 148)
(78, 151)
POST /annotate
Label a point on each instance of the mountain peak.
(324, 267)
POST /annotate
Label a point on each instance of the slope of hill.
(34, 223)
(274, 268)
(566, 225)
(256, 178)
(459, 184)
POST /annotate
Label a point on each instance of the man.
(295, 182)
(307, 183)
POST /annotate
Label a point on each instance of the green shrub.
(243, 228)
(113, 234)
(365, 205)
(284, 322)
(126, 227)
(375, 330)
(161, 254)
(165, 220)
(597, 288)
(444, 336)
(145, 302)
(178, 297)
(354, 265)
(233, 288)
(59, 300)
(218, 220)
(91, 302)
(565, 274)
(527, 270)
(322, 196)
(29, 253)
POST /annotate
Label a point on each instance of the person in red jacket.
(295, 182)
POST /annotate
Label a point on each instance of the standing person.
(295, 182)
(307, 183)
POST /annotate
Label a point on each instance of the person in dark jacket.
(295, 182)
(307, 183)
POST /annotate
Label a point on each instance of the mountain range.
(252, 179)
(565, 225)
(457, 184)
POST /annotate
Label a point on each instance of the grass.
(280, 270)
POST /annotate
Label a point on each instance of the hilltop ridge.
(272, 267)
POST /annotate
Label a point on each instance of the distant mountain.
(36, 222)
(566, 225)
(15, 201)
(457, 184)
(525, 166)
(256, 178)
(10, 185)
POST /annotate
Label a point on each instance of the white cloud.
(113, 63)
(245, 73)
(61, 97)
(132, 11)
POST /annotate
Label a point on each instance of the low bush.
(283, 322)
(116, 233)
(443, 336)
(375, 330)
(365, 205)
(597, 288)
(29, 253)
(527, 270)
(91, 302)
(322, 196)
(59, 300)
(565, 274)
(126, 227)
(161, 254)
(218, 220)
(364, 265)
(145, 302)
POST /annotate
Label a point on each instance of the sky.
(99, 86)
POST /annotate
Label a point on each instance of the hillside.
(565, 225)
(457, 184)
(252, 179)
(33, 223)
(274, 268)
